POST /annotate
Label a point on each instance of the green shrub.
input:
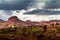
(45, 28)
(58, 29)
(51, 31)
(23, 31)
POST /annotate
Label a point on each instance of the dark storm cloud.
(9, 5)
(52, 4)
(43, 12)
(23, 4)
(14, 5)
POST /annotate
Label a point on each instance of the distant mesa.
(14, 19)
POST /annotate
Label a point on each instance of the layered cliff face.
(14, 21)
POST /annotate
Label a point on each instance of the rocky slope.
(14, 21)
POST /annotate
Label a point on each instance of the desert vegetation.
(30, 33)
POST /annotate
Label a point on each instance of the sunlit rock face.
(13, 19)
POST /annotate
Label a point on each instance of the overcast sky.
(33, 10)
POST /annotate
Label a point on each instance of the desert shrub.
(8, 30)
(52, 24)
(45, 28)
(39, 37)
(3, 31)
(41, 30)
(51, 31)
(58, 29)
(36, 30)
(57, 24)
(23, 31)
